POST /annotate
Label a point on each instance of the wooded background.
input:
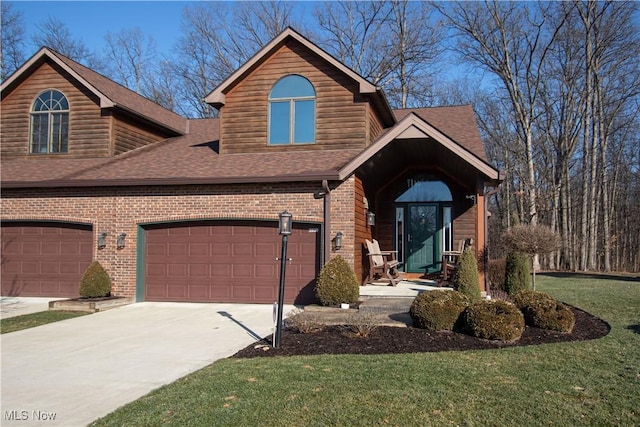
(555, 86)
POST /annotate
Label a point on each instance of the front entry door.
(422, 241)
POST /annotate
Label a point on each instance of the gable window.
(50, 123)
(292, 111)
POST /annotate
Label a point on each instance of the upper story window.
(50, 123)
(292, 111)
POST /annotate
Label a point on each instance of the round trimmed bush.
(466, 280)
(542, 311)
(337, 283)
(438, 310)
(526, 298)
(517, 274)
(95, 282)
(493, 320)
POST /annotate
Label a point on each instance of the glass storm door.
(422, 238)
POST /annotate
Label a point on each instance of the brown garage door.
(44, 259)
(228, 261)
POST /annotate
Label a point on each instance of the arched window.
(50, 123)
(292, 111)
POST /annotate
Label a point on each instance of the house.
(186, 210)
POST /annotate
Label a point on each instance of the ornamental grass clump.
(466, 280)
(95, 282)
(337, 283)
(517, 273)
(493, 320)
(438, 310)
(544, 312)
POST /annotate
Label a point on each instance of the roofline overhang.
(217, 96)
(148, 182)
(412, 127)
(45, 52)
(105, 101)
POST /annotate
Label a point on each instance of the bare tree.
(12, 41)
(131, 57)
(217, 39)
(54, 33)
(510, 40)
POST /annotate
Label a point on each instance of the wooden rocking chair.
(382, 263)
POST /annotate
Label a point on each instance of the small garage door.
(229, 261)
(44, 259)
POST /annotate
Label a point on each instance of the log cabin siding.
(130, 134)
(375, 127)
(89, 129)
(340, 121)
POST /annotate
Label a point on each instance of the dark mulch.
(392, 339)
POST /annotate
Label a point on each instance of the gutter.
(123, 182)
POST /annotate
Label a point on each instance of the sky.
(90, 21)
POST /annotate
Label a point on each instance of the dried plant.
(305, 323)
(363, 323)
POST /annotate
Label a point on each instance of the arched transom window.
(292, 111)
(50, 123)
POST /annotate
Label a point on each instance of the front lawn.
(581, 383)
(18, 323)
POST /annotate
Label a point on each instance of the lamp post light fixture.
(120, 240)
(284, 229)
(102, 240)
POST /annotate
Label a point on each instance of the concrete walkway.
(72, 372)
(17, 306)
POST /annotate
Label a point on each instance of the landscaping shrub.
(438, 310)
(525, 298)
(516, 276)
(493, 320)
(495, 274)
(95, 282)
(337, 283)
(542, 311)
(466, 280)
(303, 323)
(363, 323)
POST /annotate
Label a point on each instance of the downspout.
(487, 194)
(327, 221)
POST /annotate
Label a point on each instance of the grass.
(593, 383)
(18, 323)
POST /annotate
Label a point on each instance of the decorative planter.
(89, 305)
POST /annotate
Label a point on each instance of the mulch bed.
(391, 339)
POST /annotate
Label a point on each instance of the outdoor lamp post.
(284, 229)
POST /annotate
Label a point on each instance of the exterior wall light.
(120, 240)
(371, 218)
(337, 241)
(102, 240)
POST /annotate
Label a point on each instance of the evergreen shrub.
(517, 273)
(337, 283)
(466, 280)
(493, 320)
(95, 282)
(544, 312)
(438, 310)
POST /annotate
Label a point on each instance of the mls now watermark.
(23, 415)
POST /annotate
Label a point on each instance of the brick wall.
(115, 210)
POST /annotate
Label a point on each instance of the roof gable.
(217, 96)
(109, 93)
(413, 126)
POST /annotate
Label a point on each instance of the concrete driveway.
(72, 372)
